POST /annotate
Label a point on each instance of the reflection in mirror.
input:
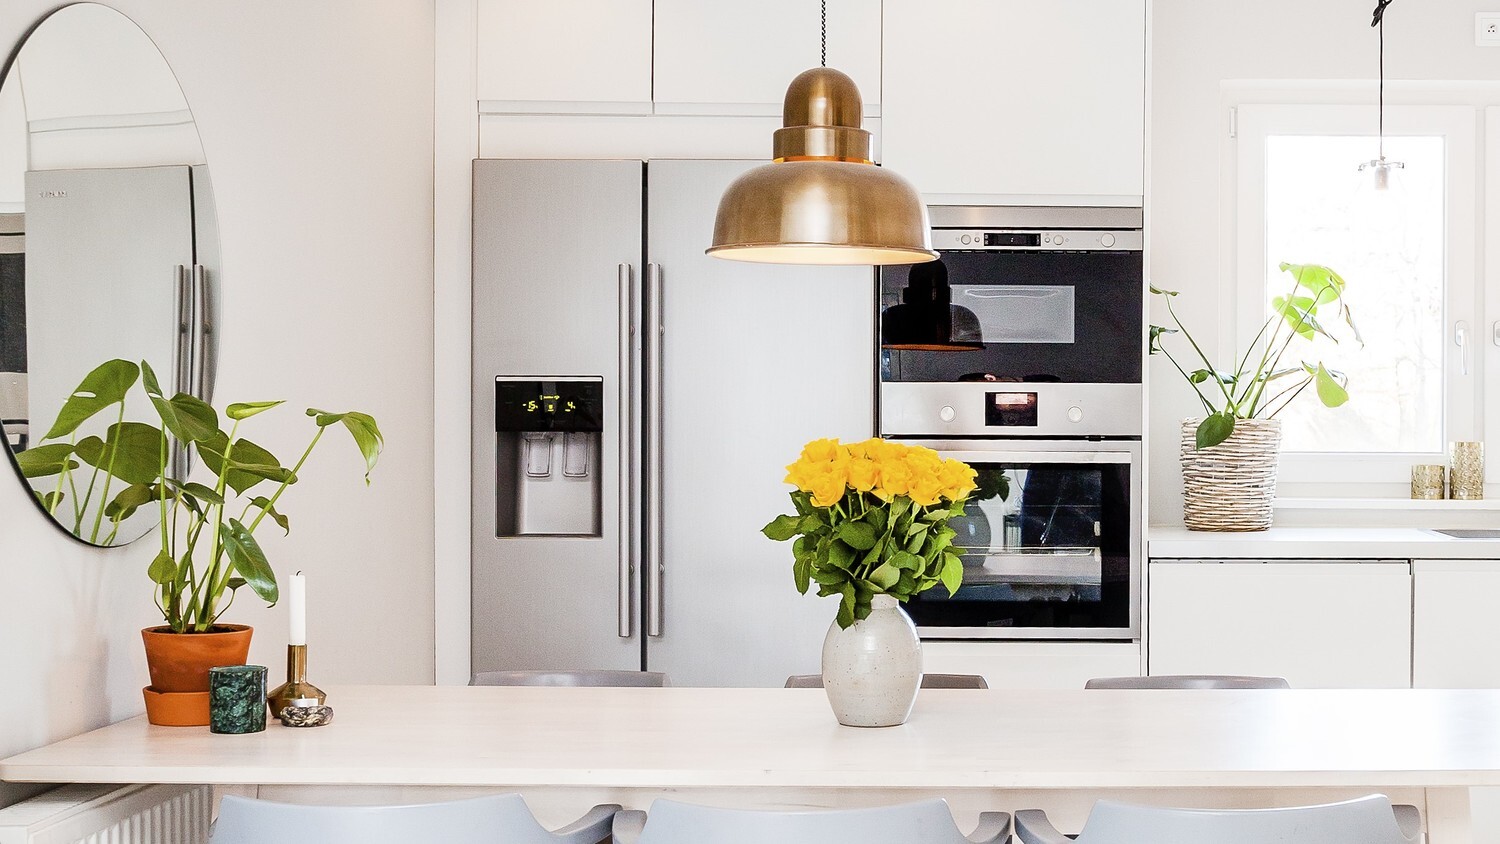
(108, 250)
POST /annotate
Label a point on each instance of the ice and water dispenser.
(548, 456)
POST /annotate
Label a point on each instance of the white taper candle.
(297, 604)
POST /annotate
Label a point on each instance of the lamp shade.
(821, 201)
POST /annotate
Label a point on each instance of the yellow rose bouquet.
(872, 519)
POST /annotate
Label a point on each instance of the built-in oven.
(1051, 543)
(1049, 298)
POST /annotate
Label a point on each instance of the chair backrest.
(1366, 820)
(929, 681)
(482, 820)
(589, 677)
(1188, 681)
(928, 821)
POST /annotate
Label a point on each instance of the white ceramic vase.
(871, 671)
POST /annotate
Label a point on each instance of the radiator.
(111, 814)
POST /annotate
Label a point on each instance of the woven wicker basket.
(1230, 486)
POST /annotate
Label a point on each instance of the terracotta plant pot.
(179, 663)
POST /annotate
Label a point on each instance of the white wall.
(1196, 46)
(317, 123)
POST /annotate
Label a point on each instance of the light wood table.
(568, 748)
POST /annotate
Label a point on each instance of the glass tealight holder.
(1428, 482)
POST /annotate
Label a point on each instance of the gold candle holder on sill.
(296, 691)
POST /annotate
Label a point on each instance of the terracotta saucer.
(176, 709)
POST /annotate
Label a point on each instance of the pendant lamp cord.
(823, 23)
(1379, 23)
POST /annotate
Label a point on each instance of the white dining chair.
(924, 822)
(1365, 820)
(587, 677)
(1188, 681)
(496, 819)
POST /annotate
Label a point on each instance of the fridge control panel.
(549, 404)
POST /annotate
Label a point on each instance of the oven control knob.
(946, 414)
(966, 239)
(1075, 414)
(1106, 240)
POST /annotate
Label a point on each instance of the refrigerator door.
(103, 252)
(557, 248)
(753, 361)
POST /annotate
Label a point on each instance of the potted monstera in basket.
(872, 528)
(207, 530)
(1229, 454)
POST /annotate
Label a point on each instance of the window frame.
(1304, 473)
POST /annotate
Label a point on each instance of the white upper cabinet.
(1016, 100)
(564, 56)
(737, 57)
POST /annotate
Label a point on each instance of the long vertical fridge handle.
(656, 560)
(201, 382)
(182, 367)
(625, 610)
(182, 304)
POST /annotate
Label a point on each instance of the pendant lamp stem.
(1381, 118)
(823, 24)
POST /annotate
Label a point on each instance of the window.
(1408, 256)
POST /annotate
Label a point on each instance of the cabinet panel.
(1319, 625)
(565, 56)
(1033, 665)
(1016, 97)
(737, 58)
(1454, 624)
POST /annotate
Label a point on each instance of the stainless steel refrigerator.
(635, 403)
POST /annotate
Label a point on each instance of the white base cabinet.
(1455, 625)
(1033, 665)
(1319, 624)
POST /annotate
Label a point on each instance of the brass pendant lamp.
(821, 200)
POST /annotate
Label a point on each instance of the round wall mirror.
(109, 257)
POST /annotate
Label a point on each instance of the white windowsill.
(1384, 504)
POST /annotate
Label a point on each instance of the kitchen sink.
(1471, 533)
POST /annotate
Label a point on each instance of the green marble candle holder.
(237, 699)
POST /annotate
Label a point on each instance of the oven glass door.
(1069, 317)
(1046, 543)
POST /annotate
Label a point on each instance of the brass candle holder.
(296, 691)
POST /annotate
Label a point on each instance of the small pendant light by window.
(927, 320)
(821, 200)
(1383, 176)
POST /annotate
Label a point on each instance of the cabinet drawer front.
(1319, 625)
(1455, 625)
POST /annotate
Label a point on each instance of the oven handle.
(1083, 457)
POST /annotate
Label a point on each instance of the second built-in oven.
(1051, 543)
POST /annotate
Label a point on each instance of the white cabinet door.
(564, 56)
(1455, 625)
(1016, 100)
(1318, 624)
(737, 58)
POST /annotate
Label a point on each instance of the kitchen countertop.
(1351, 543)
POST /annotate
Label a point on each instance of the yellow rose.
(957, 479)
(828, 487)
(862, 473)
(822, 450)
(895, 479)
(926, 491)
(800, 475)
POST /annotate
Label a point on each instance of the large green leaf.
(952, 573)
(45, 460)
(163, 569)
(48, 500)
(249, 464)
(1214, 429)
(264, 503)
(131, 451)
(249, 560)
(106, 385)
(189, 418)
(362, 427)
(1301, 318)
(129, 500)
(885, 575)
(1330, 392)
